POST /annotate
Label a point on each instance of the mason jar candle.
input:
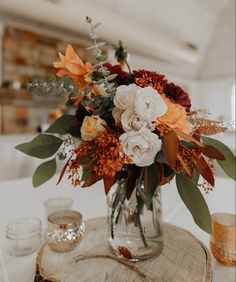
(23, 236)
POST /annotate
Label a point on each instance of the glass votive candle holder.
(223, 240)
(57, 204)
(23, 236)
(65, 230)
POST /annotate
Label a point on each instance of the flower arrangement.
(134, 123)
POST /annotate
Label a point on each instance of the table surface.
(18, 199)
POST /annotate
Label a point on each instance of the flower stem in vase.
(140, 205)
(119, 199)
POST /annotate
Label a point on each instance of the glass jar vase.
(135, 230)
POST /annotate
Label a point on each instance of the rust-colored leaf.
(172, 147)
(184, 165)
(205, 170)
(91, 179)
(188, 137)
(209, 127)
(125, 252)
(164, 178)
(109, 182)
(212, 152)
(64, 169)
(197, 135)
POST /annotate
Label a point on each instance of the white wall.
(214, 95)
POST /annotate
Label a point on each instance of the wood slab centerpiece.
(183, 259)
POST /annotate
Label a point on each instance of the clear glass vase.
(135, 232)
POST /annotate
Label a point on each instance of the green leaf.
(228, 165)
(161, 156)
(151, 180)
(87, 171)
(44, 172)
(62, 125)
(195, 176)
(194, 201)
(188, 144)
(43, 146)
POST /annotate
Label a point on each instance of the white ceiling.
(164, 31)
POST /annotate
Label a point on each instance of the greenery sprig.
(102, 75)
(50, 85)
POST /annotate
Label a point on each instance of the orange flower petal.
(70, 53)
(72, 56)
(62, 57)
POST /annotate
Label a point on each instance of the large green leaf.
(194, 201)
(151, 180)
(43, 146)
(44, 172)
(228, 165)
(63, 124)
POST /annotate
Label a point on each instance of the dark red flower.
(177, 94)
(144, 78)
(123, 77)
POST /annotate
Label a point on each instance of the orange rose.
(175, 117)
(92, 127)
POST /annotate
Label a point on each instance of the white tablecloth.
(18, 199)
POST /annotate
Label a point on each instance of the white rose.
(116, 113)
(141, 146)
(148, 104)
(131, 121)
(125, 96)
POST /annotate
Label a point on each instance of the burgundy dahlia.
(178, 95)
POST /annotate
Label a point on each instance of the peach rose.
(175, 117)
(92, 127)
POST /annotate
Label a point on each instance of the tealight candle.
(65, 230)
(223, 240)
(23, 236)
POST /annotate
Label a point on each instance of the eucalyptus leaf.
(228, 165)
(111, 77)
(91, 48)
(194, 201)
(44, 172)
(101, 58)
(63, 124)
(43, 146)
(96, 25)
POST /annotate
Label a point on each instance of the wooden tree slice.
(183, 259)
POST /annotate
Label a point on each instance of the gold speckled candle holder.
(65, 230)
(223, 240)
